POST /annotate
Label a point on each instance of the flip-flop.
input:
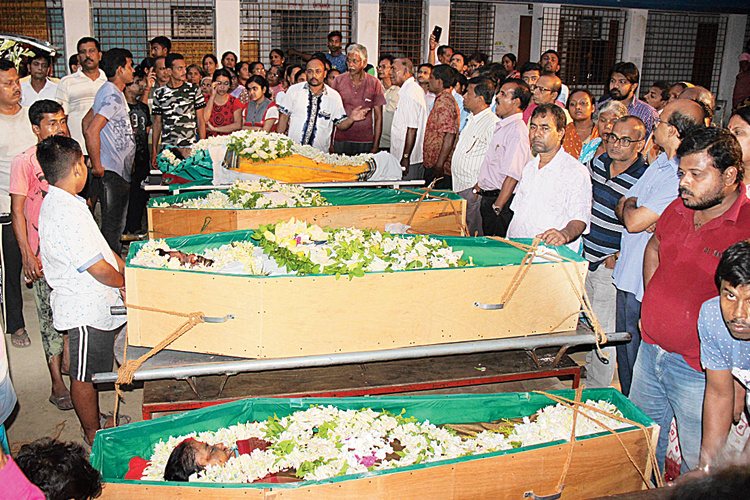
(63, 403)
(121, 419)
(20, 340)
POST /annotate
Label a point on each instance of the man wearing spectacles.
(612, 175)
(546, 91)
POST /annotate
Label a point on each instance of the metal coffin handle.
(554, 496)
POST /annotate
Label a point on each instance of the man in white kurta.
(409, 120)
(553, 199)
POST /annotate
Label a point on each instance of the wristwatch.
(496, 209)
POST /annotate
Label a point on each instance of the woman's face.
(741, 130)
(194, 76)
(508, 64)
(606, 121)
(259, 70)
(209, 66)
(580, 106)
(222, 85)
(273, 75)
(255, 91)
(228, 61)
(206, 85)
(276, 59)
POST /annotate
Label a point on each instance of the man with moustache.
(546, 91)
(550, 62)
(724, 330)
(623, 87)
(679, 266)
(409, 120)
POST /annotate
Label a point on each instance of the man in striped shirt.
(612, 175)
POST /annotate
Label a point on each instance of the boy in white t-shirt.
(86, 276)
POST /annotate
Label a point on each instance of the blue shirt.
(719, 350)
(464, 112)
(604, 237)
(117, 150)
(655, 190)
(338, 62)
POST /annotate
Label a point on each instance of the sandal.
(20, 339)
(121, 419)
(63, 403)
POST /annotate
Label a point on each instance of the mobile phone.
(436, 32)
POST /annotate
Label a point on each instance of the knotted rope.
(422, 196)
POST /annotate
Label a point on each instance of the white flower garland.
(323, 442)
(255, 194)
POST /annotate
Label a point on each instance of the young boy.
(84, 273)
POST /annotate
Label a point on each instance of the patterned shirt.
(117, 150)
(311, 117)
(604, 238)
(70, 243)
(223, 114)
(443, 119)
(178, 108)
(642, 110)
(719, 349)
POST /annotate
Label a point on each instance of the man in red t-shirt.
(358, 89)
(679, 264)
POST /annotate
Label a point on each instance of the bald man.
(704, 98)
(546, 91)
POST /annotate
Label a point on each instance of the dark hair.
(260, 81)
(289, 69)
(628, 70)
(41, 55)
(425, 65)
(278, 51)
(484, 88)
(664, 86)
(441, 50)
(512, 58)
(530, 66)
(57, 155)
(171, 58)
(148, 62)
(734, 266)
(718, 143)
(446, 74)
(456, 53)
(479, 57)
(43, 107)
(744, 113)
(522, 92)
(550, 51)
(333, 34)
(558, 115)
(88, 39)
(221, 72)
(61, 470)
(685, 124)
(386, 57)
(252, 65)
(229, 52)
(6, 65)
(163, 41)
(181, 464)
(210, 56)
(585, 91)
(113, 59)
(460, 78)
(139, 72)
(73, 60)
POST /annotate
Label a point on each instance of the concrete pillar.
(537, 22)
(730, 65)
(227, 26)
(367, 27)
(438, 13)
(634, 39)
(77, 24)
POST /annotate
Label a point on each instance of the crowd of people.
(650, 192)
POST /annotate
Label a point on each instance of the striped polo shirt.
(604, 237)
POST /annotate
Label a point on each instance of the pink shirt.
(368, 94)
(508, 154)
(16, 485)
(27, 179)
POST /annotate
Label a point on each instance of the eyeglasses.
(223, 84)
(541, 89)
(624, 141)
(665, 123)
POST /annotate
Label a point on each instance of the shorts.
(91, 351)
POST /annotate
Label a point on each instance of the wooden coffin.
(360, 208)
(287, 316)
(599, 463)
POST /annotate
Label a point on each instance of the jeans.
(351, 148)
(473, 217)
(11, 280)
(115, 196)
(628, 314)
(665, 386)
(602, 294)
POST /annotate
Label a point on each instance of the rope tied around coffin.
(426, 194)
(577, 406)
(127, 370)
(578, 289)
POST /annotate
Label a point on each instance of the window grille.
(39, 19)
(402, 32)
(746, 45)
(472, 27)
(589, 42)
(282, 24)
(683, 47)
(130, 24)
